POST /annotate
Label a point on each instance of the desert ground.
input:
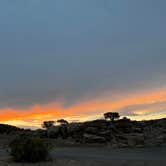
(96, 143)
(97, 156)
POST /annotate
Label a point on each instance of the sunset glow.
(79, 59)
(143, 106)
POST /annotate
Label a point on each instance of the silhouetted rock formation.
(7, 129)
(120, 133)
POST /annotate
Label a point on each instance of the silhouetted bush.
(111, 115)
(63, 122)
(47, 124)
(28, 149)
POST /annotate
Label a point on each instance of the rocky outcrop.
(90, 138)
(135, 140)
(8, 129)
(120, 133)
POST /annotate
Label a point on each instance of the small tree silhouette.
(47, 124)
(63, 122)
(111, 115)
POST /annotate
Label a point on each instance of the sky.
(80, 58)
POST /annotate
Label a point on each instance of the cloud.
(75, 52)
(147, 105)
(143, 109)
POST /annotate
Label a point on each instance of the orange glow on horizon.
(38, 113)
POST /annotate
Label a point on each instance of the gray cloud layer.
(51, 50)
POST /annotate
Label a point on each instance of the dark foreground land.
(98, 157)
(96, 143)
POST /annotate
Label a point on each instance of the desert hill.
(119, 133)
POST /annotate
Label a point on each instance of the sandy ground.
(97, 157)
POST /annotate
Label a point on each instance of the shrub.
(48, 124)
(112, 115)
(28, 149)
(63, 122)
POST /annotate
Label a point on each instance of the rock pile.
(121, 133)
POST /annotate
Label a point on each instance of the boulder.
(75, 127)
(98, 124)
(91, 130)
(106, 133)
(134, 140)
(90, 138)
(137, 129)
(122, 145)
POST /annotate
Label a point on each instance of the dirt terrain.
(79, 156)
(96, 143)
